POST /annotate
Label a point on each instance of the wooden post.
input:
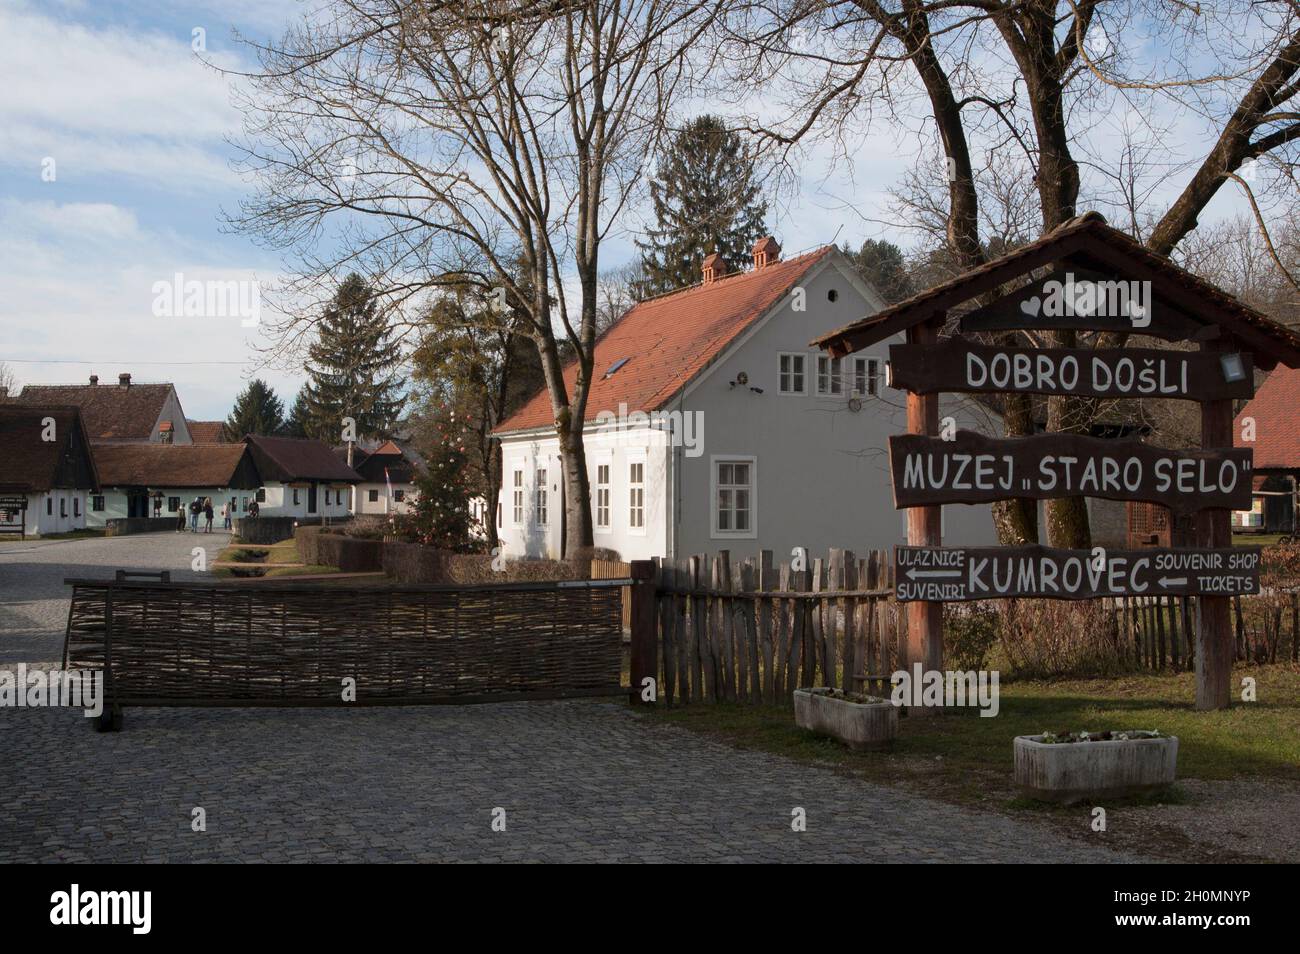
(1214, 649)
(924, 619)
(644, 662)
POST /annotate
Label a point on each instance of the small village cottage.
(158, 480)
(388, 477)
(300, 478)
(47, 469)
(712, 424)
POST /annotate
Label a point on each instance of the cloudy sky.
(115, 171)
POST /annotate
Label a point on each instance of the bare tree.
(1034, 74)
(419, 135)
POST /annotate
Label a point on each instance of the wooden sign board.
(958, 574)
(973, 468)
(1079, 300)
(959, 365)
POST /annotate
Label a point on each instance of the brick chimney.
(714, 268)
(124, 380)
(766, 252)
(94, 380)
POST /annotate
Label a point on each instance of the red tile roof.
(1276, 410)
(670, 339)
(207, 432)
(110, 411)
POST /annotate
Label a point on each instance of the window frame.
(834, 373)
(802, 373)
(874, 374)
(752, 487)
(517, 495)
(96, 503)
(603, 496)
(636, 459)
(541, 509)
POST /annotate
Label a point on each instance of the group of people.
(202, 506)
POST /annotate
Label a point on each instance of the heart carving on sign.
(1031, 306)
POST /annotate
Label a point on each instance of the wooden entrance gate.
(197, 644)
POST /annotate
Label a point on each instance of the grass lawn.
(1255, 539)
(273, 556)
(968, 758)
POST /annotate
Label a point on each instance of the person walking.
(180, 516)
(196, 508)
(207, 514)
(225, 515)
(252, 508)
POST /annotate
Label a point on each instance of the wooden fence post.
(1214, 650)
(644, 662)
(924, 524)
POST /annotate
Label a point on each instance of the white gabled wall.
(57, 511)
(617, 449)
(822, 469)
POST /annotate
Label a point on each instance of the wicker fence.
(262, 644)
(752, 631)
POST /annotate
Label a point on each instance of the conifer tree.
(352, 368)
(257, 411)
(706, 199)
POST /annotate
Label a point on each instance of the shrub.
(1045, 638)
(969, 632)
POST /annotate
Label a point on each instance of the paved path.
(579, 782)
(34, 600)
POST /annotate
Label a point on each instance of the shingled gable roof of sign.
(1088, 241)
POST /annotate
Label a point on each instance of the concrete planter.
(1070, 772)
(859, 725)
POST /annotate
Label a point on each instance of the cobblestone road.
(34, 600)
(579, 782)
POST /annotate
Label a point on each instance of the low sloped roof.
(297, 458)
(664, 342)
(175, 465)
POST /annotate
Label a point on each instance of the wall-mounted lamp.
(1233, 367)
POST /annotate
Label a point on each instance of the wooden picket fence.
(1160, 632)
(753, 632)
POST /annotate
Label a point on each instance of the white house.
(121, 412)
(47, 469)
(388, 471)
(713, 424)
(160, 480)
(300, 478)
